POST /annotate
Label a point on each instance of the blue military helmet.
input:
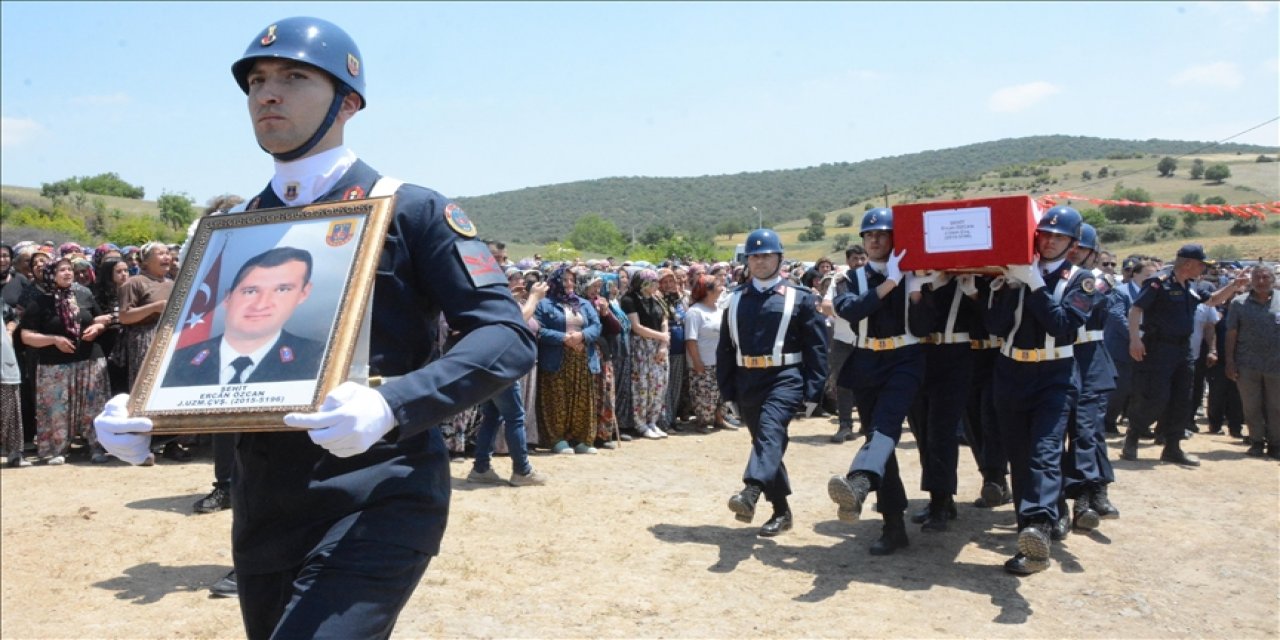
(763, 241)
(1088, 237)
(319, 43)
(1062, 219)
(878, 219)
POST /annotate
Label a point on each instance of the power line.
(1116, 176)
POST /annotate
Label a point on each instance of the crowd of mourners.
(627, 350)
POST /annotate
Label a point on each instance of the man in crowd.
(336, 521)
(1253, 359)
(842, 344)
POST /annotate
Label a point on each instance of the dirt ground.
(638, 543)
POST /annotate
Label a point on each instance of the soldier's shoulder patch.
(481, 267)
(1088, 285)
(458, 221)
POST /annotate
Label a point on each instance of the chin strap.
(338, 96)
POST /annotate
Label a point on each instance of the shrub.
(1167, 222)
(1113, 234)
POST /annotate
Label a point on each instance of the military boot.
(1102, 504)
(743, 503)
(1130, 449)
(849, 492)
(940, 510)
(1173, 453)
(1083, 517)
(892, 537)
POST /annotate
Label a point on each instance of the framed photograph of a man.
(265, 317)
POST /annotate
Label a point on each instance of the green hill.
(539, 215)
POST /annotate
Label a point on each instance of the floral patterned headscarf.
(555, 287)
(64, 301)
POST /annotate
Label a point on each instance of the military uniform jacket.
(1116, 331)
(290, 358)
(1168, 310)
(289, 493)
(1044, 313)
(759, 315)
(886, 318)
(1094, 365)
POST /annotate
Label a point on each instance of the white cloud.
(1223, 75)
(1022, 96)
(116, 98)
(15, 132)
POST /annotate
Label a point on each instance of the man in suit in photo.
(254, 346)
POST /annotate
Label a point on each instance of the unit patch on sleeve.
(458, 221)
(483, 270)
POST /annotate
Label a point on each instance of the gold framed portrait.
(265, 317)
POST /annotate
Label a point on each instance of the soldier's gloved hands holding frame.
(350, 420)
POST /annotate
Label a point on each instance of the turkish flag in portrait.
(199, 318)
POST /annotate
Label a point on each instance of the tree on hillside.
(1167, 166)
(841, 241)
(656, 234)
(814, 233)
(1128, 214)
(1103, 172)
(594, 233)
(1197, 169)
(817, 218)
(1215, 200)
(1217, 173)
(730, 227)
(1191, 198)
(176, 210)
(844, 220)
(1086, 175)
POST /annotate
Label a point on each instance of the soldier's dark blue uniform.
(1035, 386)
(770, 375)
(940, 406)
(1115, 336)
(1162, 380)
(980, 425)
(1086, 469)
(885, 373)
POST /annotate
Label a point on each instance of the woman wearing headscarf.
(62, 325)
(622, 404)
(649, 338)
(142, 300)
(702, 332)
(113, 273)
(593, 286)
(676, 307)
(567, 360)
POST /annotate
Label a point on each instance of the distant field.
(22, 196)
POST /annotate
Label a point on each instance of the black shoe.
(1021, 565)
(843, 434)
(1216, 431)
(175, 451)
(1130, 449)
(1236, 432)
(743, 503)
(1083, 517)
(1102, 504)
(1273, 452)
(1257, 450)
(1159, 440)
(217, 500)
(993, 495)
(937, 514)
(1178, 456)
(226, 587)
(850, 493)
(892, 537)
(780, 522)
(1147, 434)
(1062, 526)
(1033, 542)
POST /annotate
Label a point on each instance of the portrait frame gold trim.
(372, 216)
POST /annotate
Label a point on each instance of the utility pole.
(759, 218)
(886, 195)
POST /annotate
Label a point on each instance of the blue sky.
(475, 98)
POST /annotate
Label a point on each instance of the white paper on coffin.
(951, 230)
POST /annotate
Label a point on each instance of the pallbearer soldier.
(1086, 471)
(885, 372)
(1038, 312)
(772, 362)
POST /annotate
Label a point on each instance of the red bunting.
(1256, 210)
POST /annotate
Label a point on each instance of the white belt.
(1088, 336)
(946, 338)
(887, 344)
(378, 381)
(764, 362)
(1038, 355)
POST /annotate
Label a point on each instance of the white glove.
(968, 284)
(123, 437)
(1028, 274)
(809, 408)
(891, 269)
(915, 283)
(352, 418)
(998, 282)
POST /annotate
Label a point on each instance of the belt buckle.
(755, 362)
